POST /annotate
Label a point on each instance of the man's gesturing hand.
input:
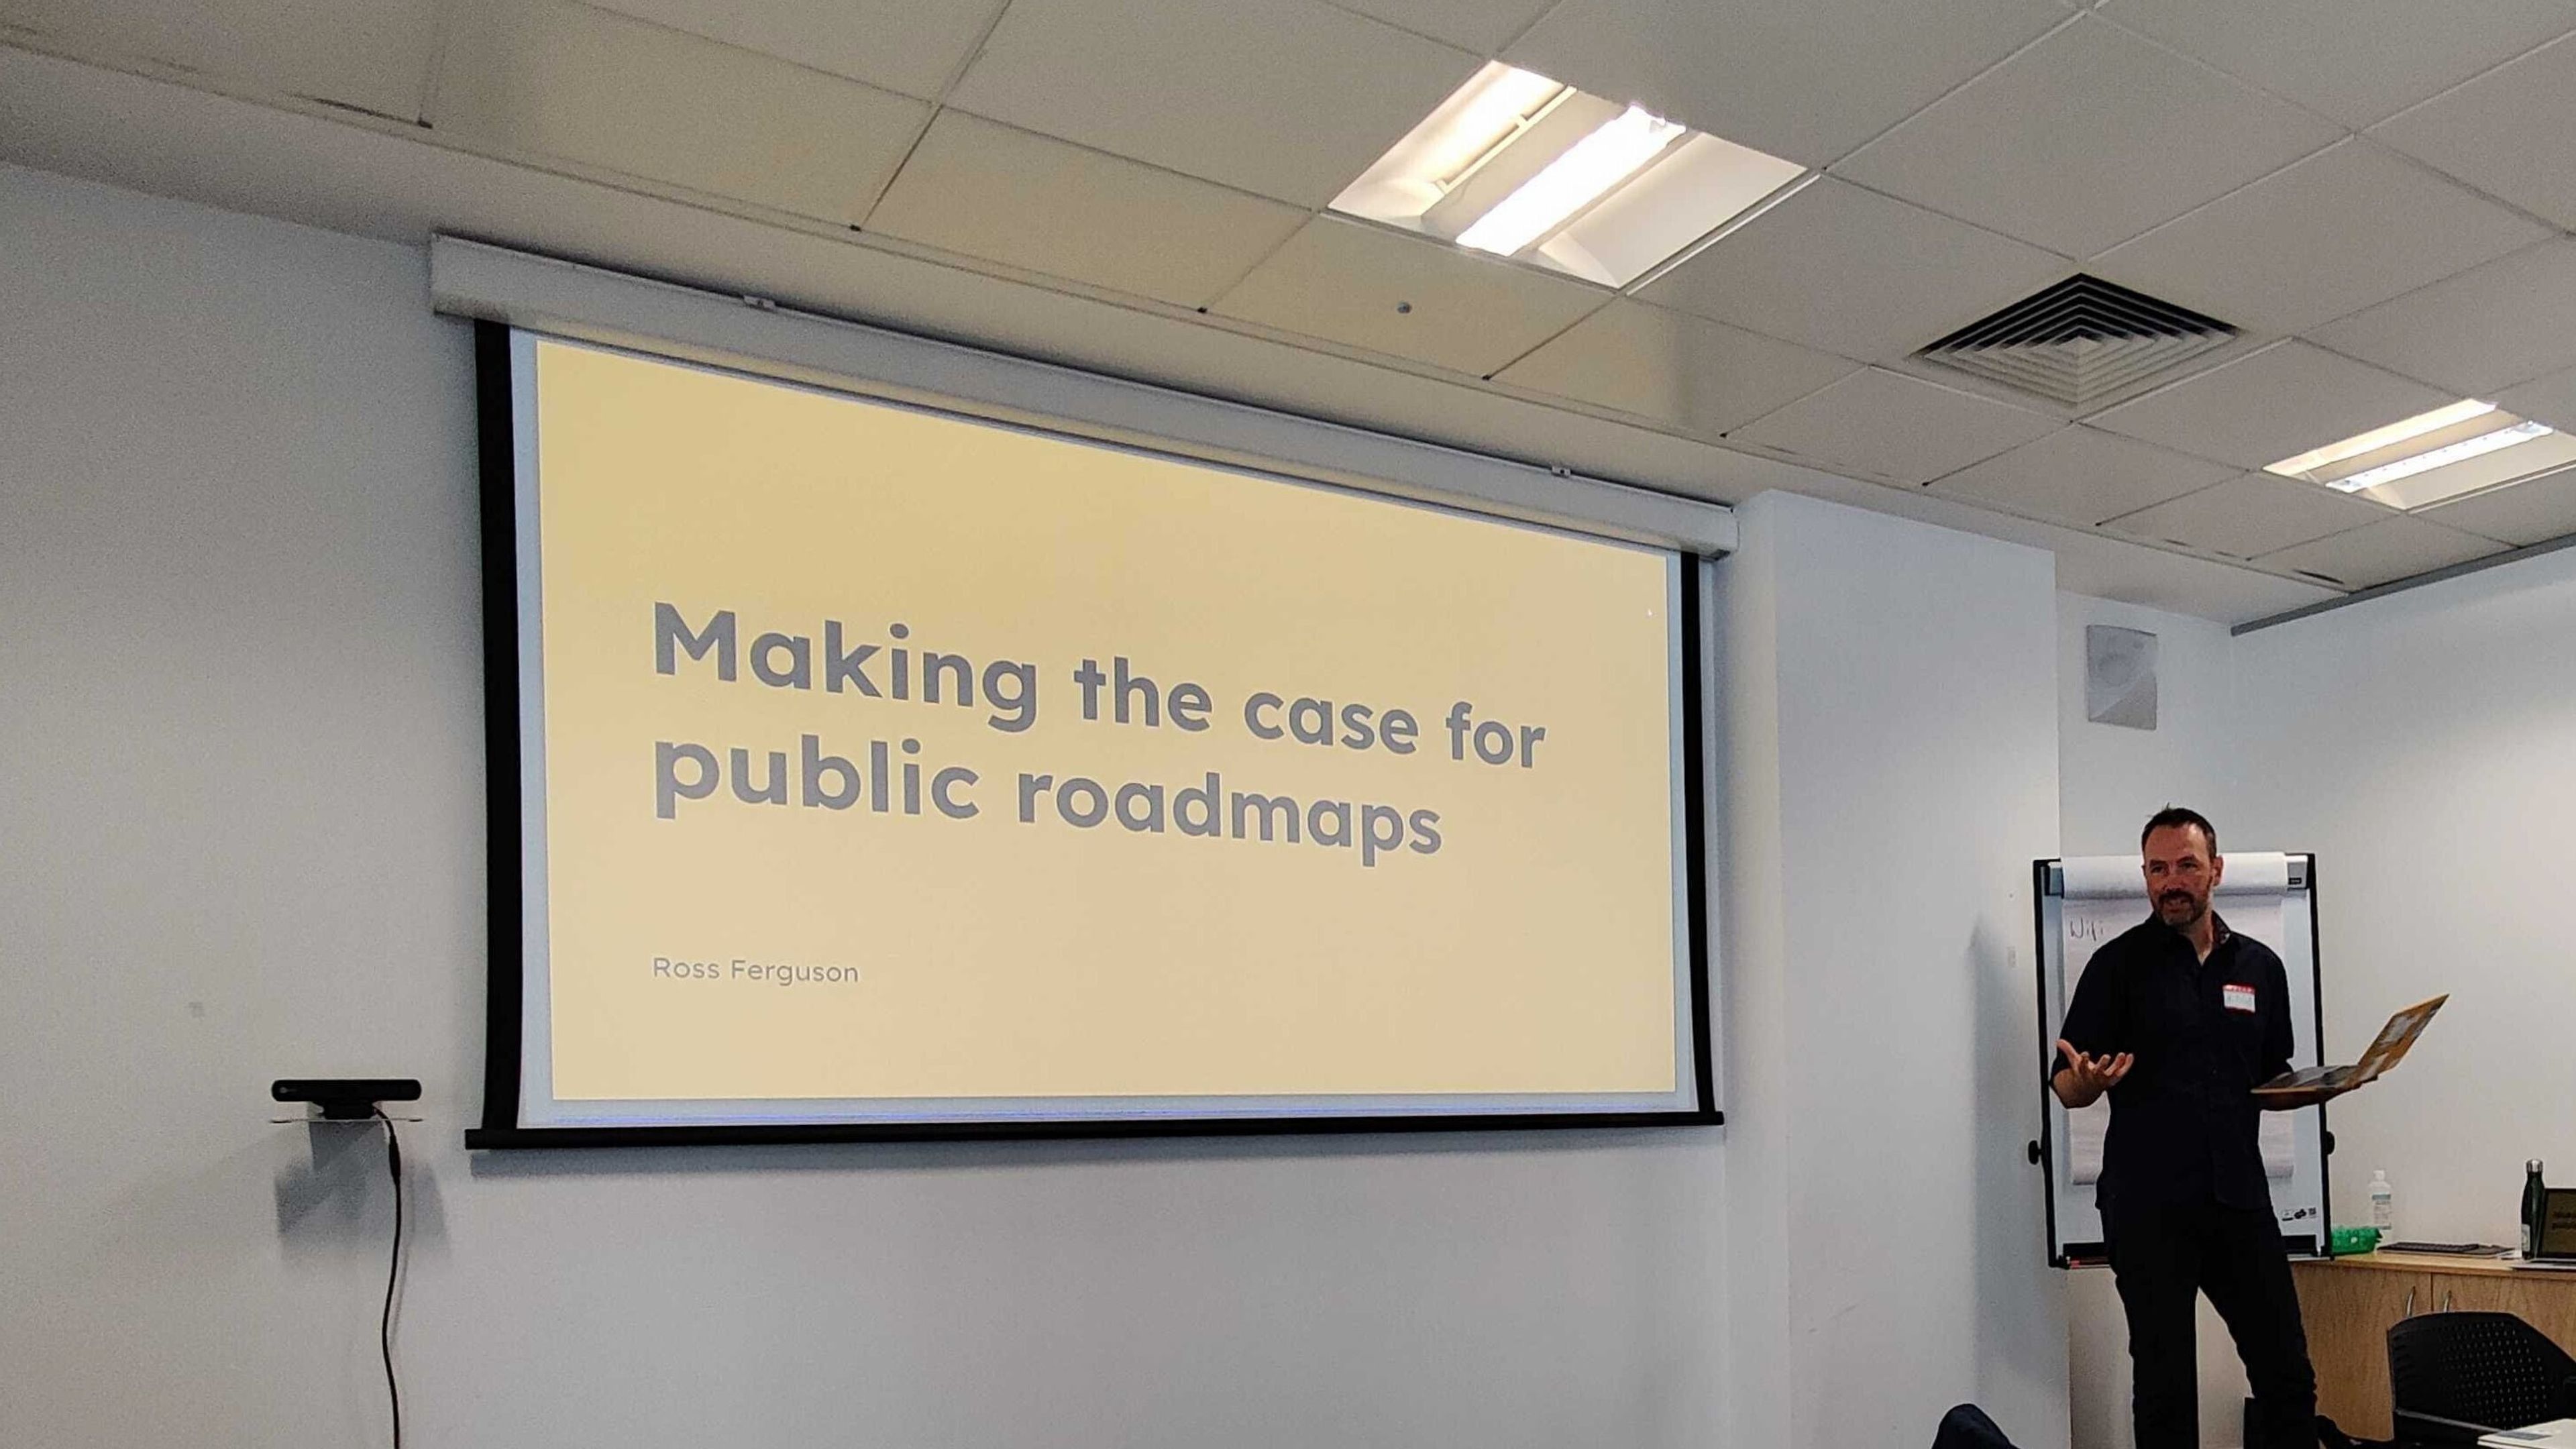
(2084, 1079)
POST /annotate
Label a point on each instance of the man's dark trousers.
(2164, 1258)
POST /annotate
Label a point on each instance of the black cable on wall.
(393, 1273)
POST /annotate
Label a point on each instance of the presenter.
(2177, 1020)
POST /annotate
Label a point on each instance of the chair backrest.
(1967, 1427)
(2489, 1369)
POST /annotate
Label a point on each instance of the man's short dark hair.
(2175, 815)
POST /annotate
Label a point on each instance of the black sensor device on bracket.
(345, 1099)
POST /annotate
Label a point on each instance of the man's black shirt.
(2184, 1128)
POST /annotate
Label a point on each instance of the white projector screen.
(862, 770)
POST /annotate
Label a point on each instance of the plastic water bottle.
(2383, 1205)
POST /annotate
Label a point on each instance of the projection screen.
(878, 771)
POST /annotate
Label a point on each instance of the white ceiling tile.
(68, 119)
(2346, 228)
(2251, 515)
(2271, 405)
(2524, 514)
(1853, 272)
(911, 46)
(980, 187)
(2550, 399)
(1699, 375)
(2080, 476)
(2478, 332)
(2383, 553)
(375, 55)
(1288, 98)
(1483, 26)
(1803, 79)
(2505, 132)
(1345, 281)
(2187, 584)
(2358, 61)
(2085, 140)
(1890, 428)
(583, 85)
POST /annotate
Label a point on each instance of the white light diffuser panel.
(1517, 165)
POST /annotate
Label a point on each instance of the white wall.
(2427, 742)
(241, 793)
(243, 800)
(240, 778)
(2111, 778)
(240, 781)
(2424, 746)
(1892, 751)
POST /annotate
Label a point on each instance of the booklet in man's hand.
(2387, 1050)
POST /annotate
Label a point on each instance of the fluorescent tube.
(2442, 457)
(2378, 438)
(1572, 181)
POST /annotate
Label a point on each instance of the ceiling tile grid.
(1375, 289)
(2357, 61)
(1483, 26)
(2475, 333)
(573, 83)
(2252, 515)
(2270, 405)
(2505, 132)
(1807, 80)
(2550, 400)
(2526, 513)
(2085, 140)
(1683, 371)
(1176, 154)
(375, 55)
(2080, 476)
(1890, 428)
(912, 47)
(987, 190)
(2383, 552)
(1848, 271)
(2348, 227)
(1288, 98)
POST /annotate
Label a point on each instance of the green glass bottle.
(2535, 1200)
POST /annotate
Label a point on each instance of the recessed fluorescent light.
(1494, 106)
(1690, 199)
(1518, 165)
(1572, 182)
(2442, 457)
(2378, 438)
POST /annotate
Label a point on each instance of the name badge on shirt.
(2238, 998)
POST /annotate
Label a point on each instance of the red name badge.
(2238, 998)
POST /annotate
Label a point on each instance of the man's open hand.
(2084, 1079)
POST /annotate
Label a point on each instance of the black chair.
(1967, 1427)
(2456, 1376)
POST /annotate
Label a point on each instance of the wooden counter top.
(2434, 1263)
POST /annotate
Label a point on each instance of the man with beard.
(2177, 1020)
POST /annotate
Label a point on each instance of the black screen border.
(500, 1129)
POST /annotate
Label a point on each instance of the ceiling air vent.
(2080, 341)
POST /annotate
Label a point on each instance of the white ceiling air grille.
(2079, 341)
